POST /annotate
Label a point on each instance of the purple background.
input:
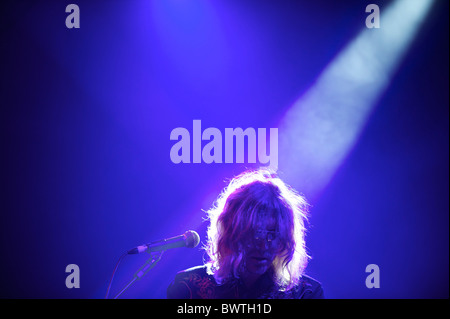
(87, 114)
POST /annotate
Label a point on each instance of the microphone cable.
(114, 272)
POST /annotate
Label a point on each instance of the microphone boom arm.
(189, 239)
(145, 268)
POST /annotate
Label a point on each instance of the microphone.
(189, 239)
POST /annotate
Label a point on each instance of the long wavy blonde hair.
(233, 215)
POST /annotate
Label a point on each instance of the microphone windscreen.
(192, 239)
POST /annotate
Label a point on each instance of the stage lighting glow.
(321, 128)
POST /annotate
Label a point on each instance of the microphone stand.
(149, 264)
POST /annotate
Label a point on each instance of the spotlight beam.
(320, 129)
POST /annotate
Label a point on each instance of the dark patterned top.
(195, 283)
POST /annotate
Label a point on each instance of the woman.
(256, 245)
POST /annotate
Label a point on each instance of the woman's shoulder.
(310, 288)
(197, 270)
(192, 283)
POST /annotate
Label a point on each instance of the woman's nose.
(262, 244)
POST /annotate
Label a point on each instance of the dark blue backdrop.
(87, 114)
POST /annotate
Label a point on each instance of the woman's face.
(261, 246)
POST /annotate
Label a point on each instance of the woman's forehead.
(265, 220)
